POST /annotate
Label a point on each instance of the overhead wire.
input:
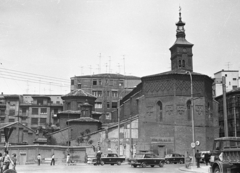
(33, 78)
(55, 84)
(16, 74)
(39, 76)
(29, 79)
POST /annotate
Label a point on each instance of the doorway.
(23, 158)
(161, 150)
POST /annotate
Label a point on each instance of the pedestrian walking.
(14, 161)
(198, 157)
(68, 159)
(7, 161)
(99, 154)
(39, 159)
(53, 160)
(207, 158)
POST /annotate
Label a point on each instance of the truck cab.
(225, 155)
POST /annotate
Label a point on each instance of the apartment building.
(232, 81)
(31, 110)
(108, 88)
(233, 113)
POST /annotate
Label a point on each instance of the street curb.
(189, 170)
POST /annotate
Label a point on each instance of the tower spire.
(181, 51)
(180, 26)
(180, 19)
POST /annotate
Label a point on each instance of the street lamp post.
(119, 126)
(193, 126)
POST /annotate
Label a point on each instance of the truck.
(225, 156)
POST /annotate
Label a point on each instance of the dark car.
(174, 158)
(110, 158)
(144, 160)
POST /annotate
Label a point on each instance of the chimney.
(79, 85)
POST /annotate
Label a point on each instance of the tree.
(79, 140)
(84, 137)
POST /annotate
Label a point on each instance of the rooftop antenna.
(109, 64)
(228, 65)
(106, 67)
(100, 63)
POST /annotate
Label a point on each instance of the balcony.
(55, 104)
(24, 114)
(2, 115)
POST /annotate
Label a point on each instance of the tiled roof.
(78, 93)
(40, 96)
(83, 119)
(12, 96)
(70, 112)
(3, 125)
(180, 71)
(182, 41)
(108, 75)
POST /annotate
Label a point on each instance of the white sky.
(63, 38)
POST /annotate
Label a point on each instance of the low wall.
(27, 154)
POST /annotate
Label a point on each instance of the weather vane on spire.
(180, 12)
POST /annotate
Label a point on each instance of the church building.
(164, 103)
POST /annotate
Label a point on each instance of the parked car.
(110, 158)
(174, 158)
(143, 160)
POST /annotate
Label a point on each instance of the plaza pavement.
(194, 169)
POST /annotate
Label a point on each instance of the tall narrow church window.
(183, 63)
(189, 110)
(159, 103)
(179, 63)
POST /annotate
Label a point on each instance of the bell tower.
(181, 51)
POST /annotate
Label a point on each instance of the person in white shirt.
(39, 159)
(68, 159)
(7, 161)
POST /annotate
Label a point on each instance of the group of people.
(198, 158)
(52, 163)
(6, 161)
(39, 158)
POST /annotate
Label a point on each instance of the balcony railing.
(41, 104)
(2, 115)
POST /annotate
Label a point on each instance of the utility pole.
(193, 122)
(119, 126)
(225, 107)
(131, 112)
(234, 114)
